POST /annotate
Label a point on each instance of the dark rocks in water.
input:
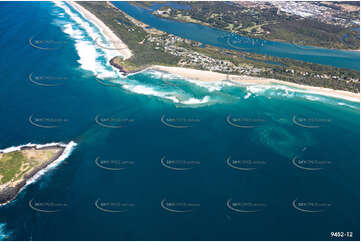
(9, 193)
(119, 67)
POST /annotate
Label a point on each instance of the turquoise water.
(205, 151)
(223, 39)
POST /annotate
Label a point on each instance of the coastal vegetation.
(154, 47)
(14, 165)
(132, 35)
(10, 165)
(20, 165)
(337, 29)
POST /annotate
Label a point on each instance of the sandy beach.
(215, 76)
(112, 38)
(210, 76)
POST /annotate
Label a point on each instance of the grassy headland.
(14, 165)
(132, 35)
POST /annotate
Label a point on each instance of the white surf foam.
(272, 90)
(66, 153)
(348, 105)
(91, 56)
(145, 90)
(212, 86)
(161, 75)
(96, 59)
(256, 89)
(311, 98)
(247, 95)
(193, 101)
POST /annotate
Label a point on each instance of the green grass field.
(10, 165)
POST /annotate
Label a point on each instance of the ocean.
(163, 158)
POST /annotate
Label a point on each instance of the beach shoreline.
(112, 38)
(209, 76)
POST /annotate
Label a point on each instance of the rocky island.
(21, 165)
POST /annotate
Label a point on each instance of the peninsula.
(21, 165)
(155, 49)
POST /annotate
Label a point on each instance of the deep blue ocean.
(163, 158)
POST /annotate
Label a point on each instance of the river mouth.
(227, 40)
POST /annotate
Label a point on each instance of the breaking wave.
(96, 59)
(91, 57)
